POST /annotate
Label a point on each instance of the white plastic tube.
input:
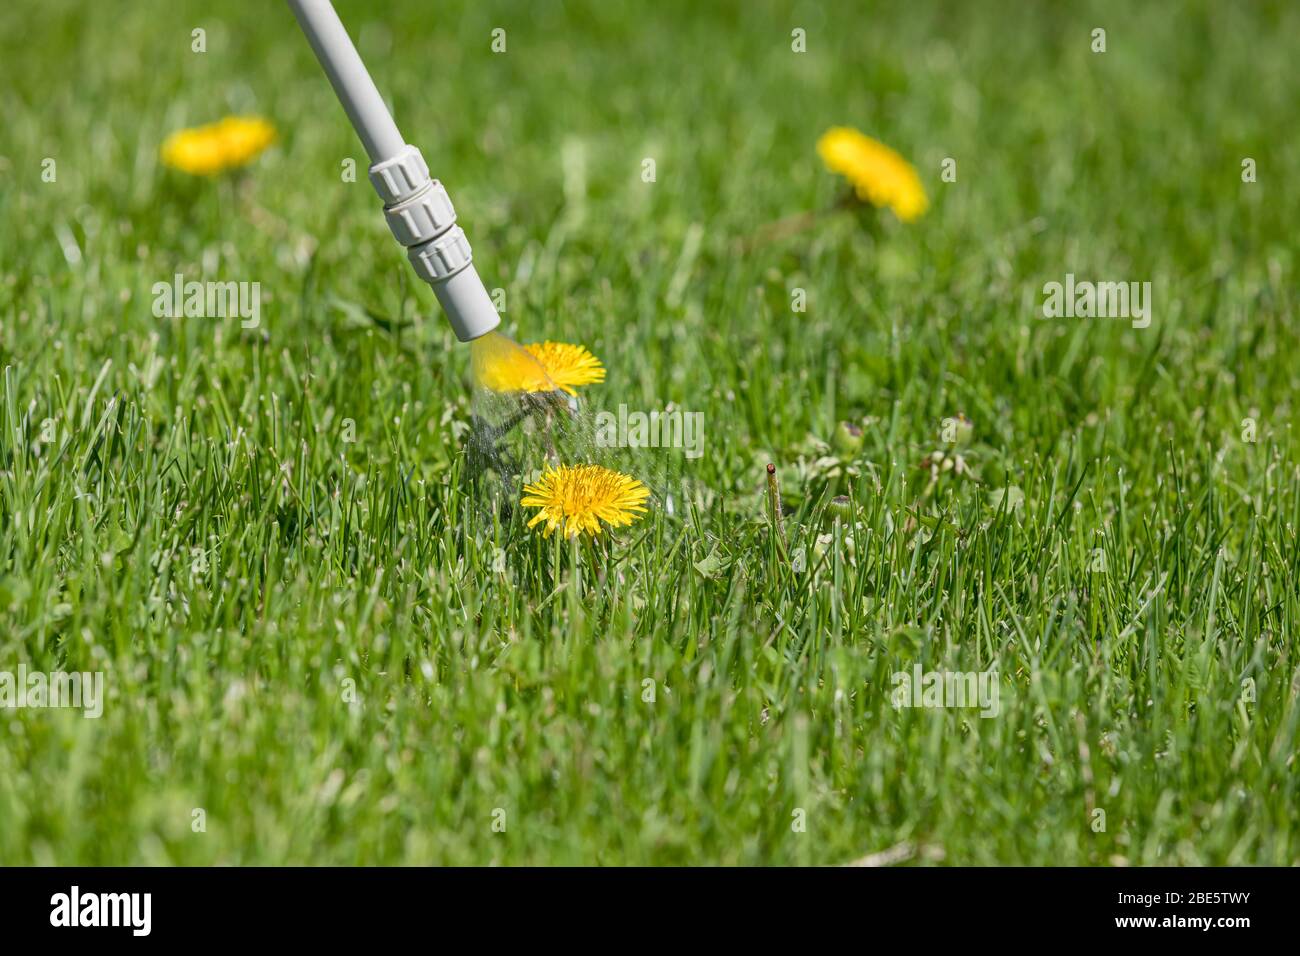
(418, 210)
(349, 77)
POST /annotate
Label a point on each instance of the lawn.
(326, 634)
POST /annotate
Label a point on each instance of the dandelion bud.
(848, 439)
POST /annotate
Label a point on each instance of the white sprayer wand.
(416, 206)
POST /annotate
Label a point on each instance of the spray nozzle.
(419, 212)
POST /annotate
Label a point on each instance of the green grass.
(198, 529)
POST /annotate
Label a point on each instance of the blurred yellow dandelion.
(226, 144)
(877, 173)
(577, 498)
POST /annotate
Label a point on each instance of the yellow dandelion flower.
(577, 498)
(502, 366)
(567, 365)
(878, 175)
(216, 147)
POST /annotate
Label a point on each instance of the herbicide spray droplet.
(514, 407)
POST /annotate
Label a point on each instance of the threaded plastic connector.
(426, 215)
(443, 257)
(401, 176)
